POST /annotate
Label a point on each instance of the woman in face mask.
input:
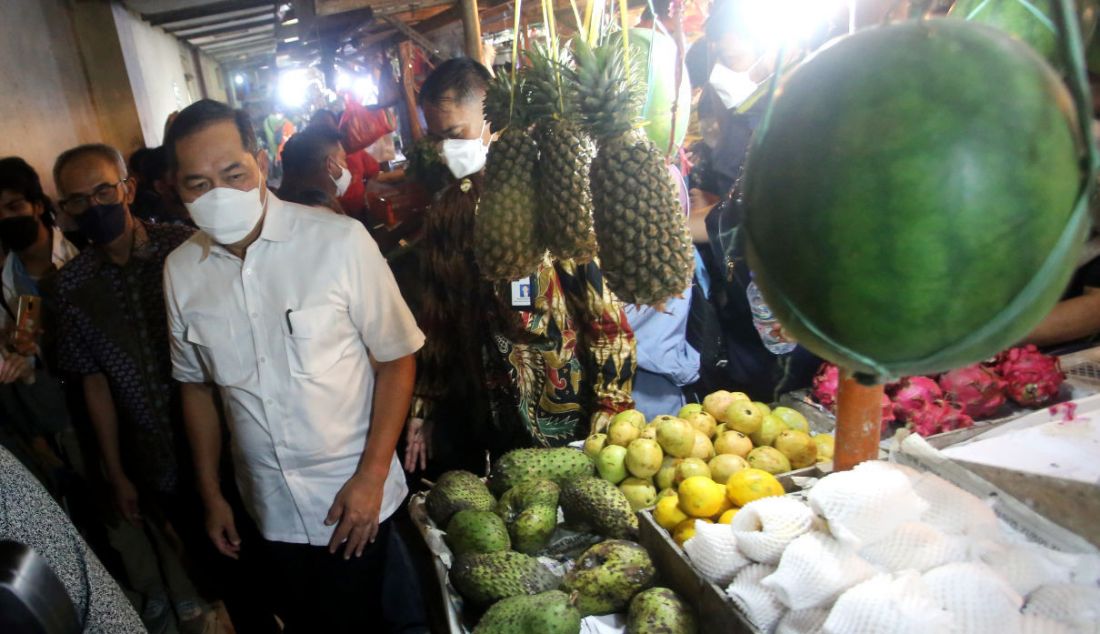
(315, 170)
(33, 245)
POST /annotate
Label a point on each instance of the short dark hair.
(101, 150)
(18, 176)
(324, 118)
(202, 114)
(305, 152)
(463, 77)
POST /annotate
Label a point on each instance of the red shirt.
(363, 167)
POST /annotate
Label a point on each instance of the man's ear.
(129, 186)
(263, 162)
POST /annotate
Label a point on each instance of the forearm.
(101, 411)
(393, 393)
(200, 417)
(1070, 320)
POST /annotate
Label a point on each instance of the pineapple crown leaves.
(609, 104)
(548, 72)
(506, 107)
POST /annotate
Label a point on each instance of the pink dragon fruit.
(826, 384)
(976, 389)
(937, 416)
(955, 418)
(912, 394)
(887, 413)
(1033, 378)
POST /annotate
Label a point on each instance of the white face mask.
(732, 87)
(227, 215)
(343, 182)
(465, 156)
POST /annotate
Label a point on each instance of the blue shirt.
(666, 361)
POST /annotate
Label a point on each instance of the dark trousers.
(315, 591)
(215, 574)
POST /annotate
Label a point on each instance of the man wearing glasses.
(113, 334)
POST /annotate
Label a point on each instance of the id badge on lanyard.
(523, 291)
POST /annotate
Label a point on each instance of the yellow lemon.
(700, 496)
(667, 513)
(685, 530)
(726, 506)
(824, 444)
(762, 407)
(727, 517)
(752, 484)
(739, 396)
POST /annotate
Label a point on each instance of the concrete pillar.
(108, 82)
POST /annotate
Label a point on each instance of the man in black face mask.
(113, 334)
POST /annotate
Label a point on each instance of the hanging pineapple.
(645, 248)
(566, 151)
(507, 244)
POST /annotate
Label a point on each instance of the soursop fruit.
(471, 531)
(455, 491)
(660, 611)
(547, 613)
(608, 575)
(530, 511)
(523, 465)
(485, 578)
(595, 504)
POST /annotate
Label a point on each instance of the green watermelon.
(910, 207)
(660, 86)
(1029, 20)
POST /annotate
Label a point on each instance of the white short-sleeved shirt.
(285, 334)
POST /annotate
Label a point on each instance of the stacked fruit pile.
(955, 399)
(702, 447)
(885, 548)
(498, 532)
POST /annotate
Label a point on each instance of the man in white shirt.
(293, 314)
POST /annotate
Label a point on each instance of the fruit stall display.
(828, 558)
(542, 545)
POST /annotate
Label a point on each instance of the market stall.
(937, 477)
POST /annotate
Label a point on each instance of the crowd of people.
(229, 395)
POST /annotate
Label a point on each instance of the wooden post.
(471, 27)
(858, 423)
(408, 85)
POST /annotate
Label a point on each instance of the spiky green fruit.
(546, 613)
(488, 577)
(523, 465)
(596, 504)
(608, 575)
(455, 491)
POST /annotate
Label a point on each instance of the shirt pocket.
(312, 341)
(218, 350)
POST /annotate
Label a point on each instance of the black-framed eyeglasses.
(105, 194)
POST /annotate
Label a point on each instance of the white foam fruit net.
(1035, 624)
(888, 604)
(915, 546)
(802, 621)
(980, 601)
(1026, 566)
(865, 505)
(1073, 604)
(764, 528)
(713, 552)
(757, 603)
(814, 569)
(953, 510)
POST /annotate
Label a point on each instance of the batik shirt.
(113, 322)
(550, 370)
